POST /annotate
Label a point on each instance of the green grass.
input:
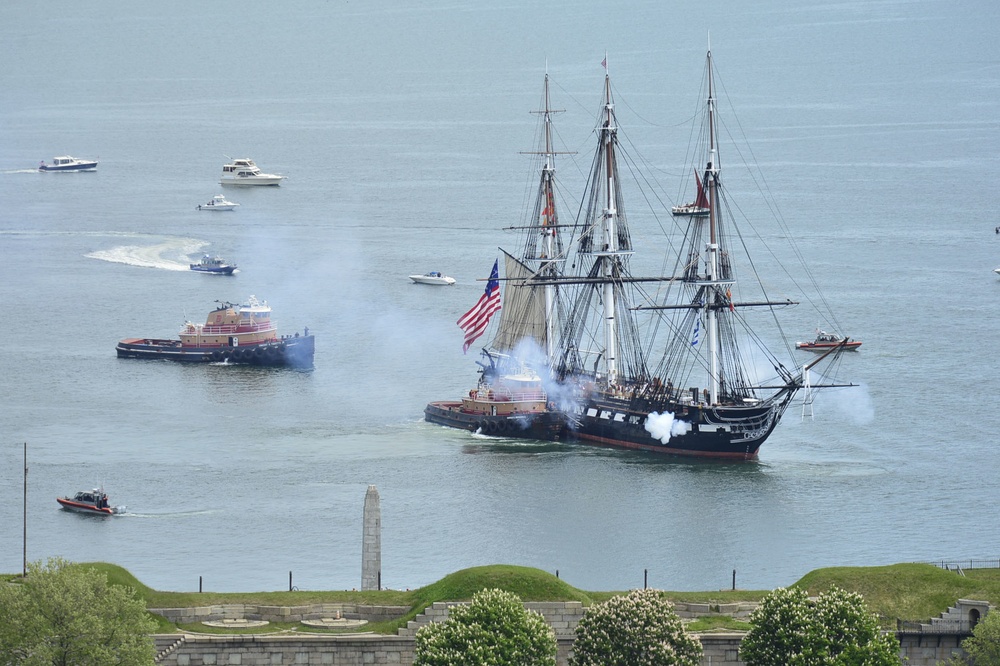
(907, 591)
(915, 592)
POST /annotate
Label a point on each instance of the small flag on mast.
(475, 320)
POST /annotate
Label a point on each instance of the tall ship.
(242, 334)
(671, 363)
(512, 396)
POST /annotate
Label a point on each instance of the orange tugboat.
(242, 334)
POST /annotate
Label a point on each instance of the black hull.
(291, 352)
(729, 432)
(724, 433)
(547, 426)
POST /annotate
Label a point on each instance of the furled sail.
(523, 313)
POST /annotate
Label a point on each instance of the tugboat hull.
(548, 426)
(295, 352)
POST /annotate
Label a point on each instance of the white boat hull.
(444, 280)
(263, 179)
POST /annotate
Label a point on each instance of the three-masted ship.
(666, 363)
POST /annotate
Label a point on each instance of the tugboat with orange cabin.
(505, 403)
(241, 334)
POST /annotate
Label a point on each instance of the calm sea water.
(399, 126)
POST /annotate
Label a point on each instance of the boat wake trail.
(21, 171)
(172, 514)
(170, 255)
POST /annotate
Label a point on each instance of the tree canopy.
(640, 628)
(66, 614)
(495, 629)
(835, 630)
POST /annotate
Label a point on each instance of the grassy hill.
(914, 592)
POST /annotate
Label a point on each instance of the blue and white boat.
(67, 163)
(216, 265)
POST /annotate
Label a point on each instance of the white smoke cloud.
(664, 426)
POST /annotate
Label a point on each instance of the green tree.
(67, 615)
(837, 630)
(495, 629)
(635, 629)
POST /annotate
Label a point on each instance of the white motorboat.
(997, 271)
(243, 171)
(218, 202)
(434, 277)
(67, 163)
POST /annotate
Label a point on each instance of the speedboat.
(90, 501)
(434, 277)
(67, 163)
(218, 202)
(216, 265)
(241, 334)
(997, 271)
(826, 341)
(243, 171)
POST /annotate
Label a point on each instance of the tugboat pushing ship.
(239, 334)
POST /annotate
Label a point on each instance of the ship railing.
(229, 328)
(506, 395)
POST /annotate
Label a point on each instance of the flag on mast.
(475, 320)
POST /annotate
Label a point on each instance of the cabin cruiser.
(67, 163)
(218, 202)
(434, 277)
(243, 171)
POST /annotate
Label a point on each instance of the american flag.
(475, 320)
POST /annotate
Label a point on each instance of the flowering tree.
(63, 614)
(789, 629)
(635, 629)
(495, 629)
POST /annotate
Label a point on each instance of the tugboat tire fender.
(216, 355)
(484, 426)
(491, 426)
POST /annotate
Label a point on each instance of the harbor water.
(400, 128)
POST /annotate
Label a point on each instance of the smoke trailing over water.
(664, 426)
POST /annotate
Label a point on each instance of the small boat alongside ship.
(433, 278)
(68, 164)
(243, 171)
(214, 265)
(826, 341)
(218, 202)
(90, 501)
(238, 334)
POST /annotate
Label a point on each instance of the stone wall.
(280, 613)
(922, 645)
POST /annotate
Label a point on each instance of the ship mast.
(548, 224)
(610, 245)
(714, 281)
